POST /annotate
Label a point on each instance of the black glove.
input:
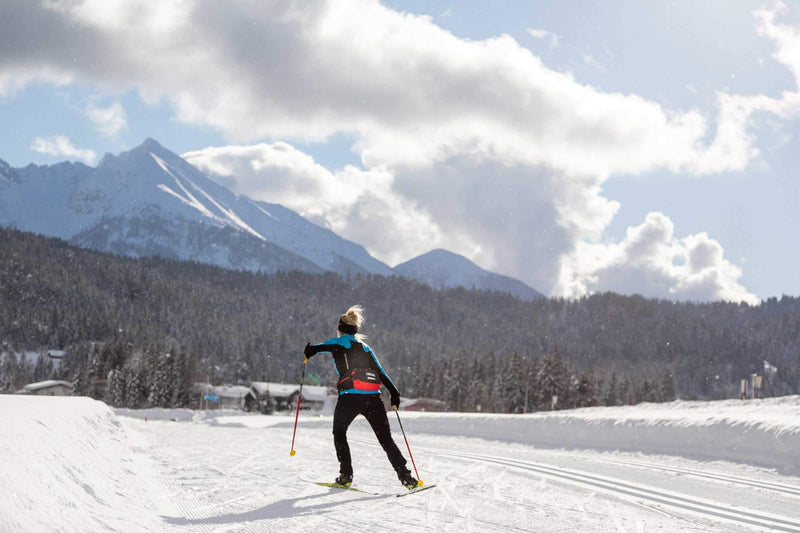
(309, 350)
(395, 400)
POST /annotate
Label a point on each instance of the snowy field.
(73, 464)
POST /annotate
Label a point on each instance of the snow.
(312, 393)
(32, 387)
(66, 199)
(74, 464)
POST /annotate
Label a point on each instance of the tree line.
(475, 350)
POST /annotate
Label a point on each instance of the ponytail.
(351, 321)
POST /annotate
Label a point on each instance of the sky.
(583, 146)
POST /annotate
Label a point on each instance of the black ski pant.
(348, 407)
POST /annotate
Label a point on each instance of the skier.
(360, 379)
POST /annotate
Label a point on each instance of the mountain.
(150, 201)
(442, 269)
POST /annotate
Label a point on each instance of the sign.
(211, 397)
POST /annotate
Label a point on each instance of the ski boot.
(344, 480)
(407, 480)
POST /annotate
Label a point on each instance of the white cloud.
(108, 120)
(787, 38)
(357, 204)
(652, 261)
(60, 145)
(550, 37)
(476, 146)
(323, 67)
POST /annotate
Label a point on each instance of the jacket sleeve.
(385, 379)
(314, 349)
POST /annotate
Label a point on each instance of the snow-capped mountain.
(442, 269)
(149, 201)
(7, 174)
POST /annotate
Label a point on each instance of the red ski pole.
(419, 481)
(299, 397)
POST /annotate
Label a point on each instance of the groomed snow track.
(640, 493)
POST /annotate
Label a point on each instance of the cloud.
(652, 261)
(358, 204)
(550, 37)
(60, 145)
(475, 146)
(396, 80)
(108, 120)
(785, 37)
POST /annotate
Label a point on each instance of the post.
(756, 383)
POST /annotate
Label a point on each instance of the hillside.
(445, 270)
(469, 348)
(149, 201)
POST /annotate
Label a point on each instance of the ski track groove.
(628, 490)
(223, 493)
(636, 492)
(767, 485)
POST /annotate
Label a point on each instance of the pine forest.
(141, 332)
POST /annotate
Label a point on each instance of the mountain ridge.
(442, 269)
(150, 201)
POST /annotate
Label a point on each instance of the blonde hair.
(354, 317)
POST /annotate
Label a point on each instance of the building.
(236, 397)
(284, 396)
(422, 404)
(48, 388)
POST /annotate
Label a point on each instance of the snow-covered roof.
(408, 402)
(315, 393)
(312, 393)
(30, 387)
(232, 391)
(31, 357)
(276, 390)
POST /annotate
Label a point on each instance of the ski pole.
(299, 396)
(407, 446)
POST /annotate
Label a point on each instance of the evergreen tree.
(432, 342)
(552, 382)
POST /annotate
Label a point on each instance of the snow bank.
(178, 415)
(758, 432)
(66, 464)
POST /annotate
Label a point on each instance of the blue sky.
(641, 147)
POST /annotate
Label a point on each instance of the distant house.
(56, 355)
(30, 357)
(236, 397)
(422, 404)
(285, 396)
(48, 388)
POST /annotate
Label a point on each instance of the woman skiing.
(360, 379)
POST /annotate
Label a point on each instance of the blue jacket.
(356, 364)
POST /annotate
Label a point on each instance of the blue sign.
(211, 397)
